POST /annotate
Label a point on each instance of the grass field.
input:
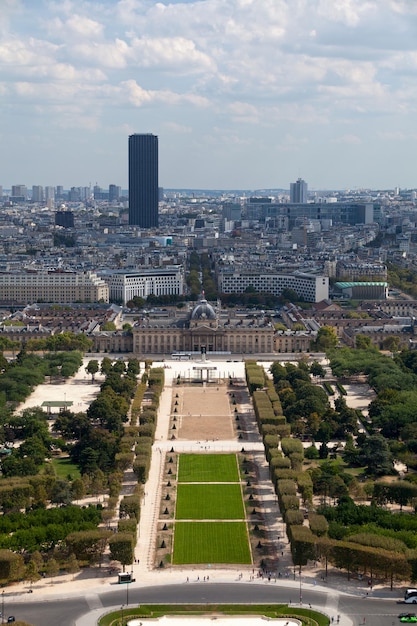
(65, 467)
(209, 501)
(211, 542)
(208, 468)
(272, 611)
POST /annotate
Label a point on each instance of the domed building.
(203, 327)
(203, 311)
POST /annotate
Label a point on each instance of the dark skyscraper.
(143, 180)
(298, 192)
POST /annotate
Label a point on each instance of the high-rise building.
(64, 219)
(114, 193)
(298, 192)
(49, 193)
(143, 180)
(19, 191)
(37, 193)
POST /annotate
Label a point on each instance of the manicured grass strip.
(209, 501)
(65, 467)
(211, 542)
(153, 611)
(208, 468)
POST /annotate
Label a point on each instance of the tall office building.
(19, 191)
(37, 193)
(114, 193)
(143, 180)
(298, 192)
(49, 193)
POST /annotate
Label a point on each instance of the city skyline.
(244, 94)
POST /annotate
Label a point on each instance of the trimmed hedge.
(318, 524)
(294, 518)
(289, 446)
(287, 487)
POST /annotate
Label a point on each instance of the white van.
(410, 596)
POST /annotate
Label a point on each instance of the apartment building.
(60, 287)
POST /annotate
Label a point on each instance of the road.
(66, 611)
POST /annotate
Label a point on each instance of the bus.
(180, 356)
(410, 596)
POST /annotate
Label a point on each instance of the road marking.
(93, 601)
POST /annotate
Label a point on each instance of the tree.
(92, 368)
(376, 455)
(323, 451)
(88, 545)
(133, 367)
(136, 303)
(11, 566)
(109, 326)
(77, 489)
(289, 295)
(72, 565)
(61, 492)
(98, 480)
(316, 369)
(122, 548)
(363, 342)
(37, 559)
(72, 425)
(391, 343)
(326, 339)
(52, 568)
(32, 572)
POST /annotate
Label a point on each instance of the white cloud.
(138, 96)
(109, 54)
(348, 139)
(170, 53)
(177, 128)
(248, 68)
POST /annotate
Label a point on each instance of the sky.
(243, 94)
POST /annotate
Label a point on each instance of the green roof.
(358, 283)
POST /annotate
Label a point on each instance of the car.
(407, 615)
(408, 619)
(11, 618)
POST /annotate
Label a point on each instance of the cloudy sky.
(242, 93)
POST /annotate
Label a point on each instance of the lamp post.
(301, 594)
(2, 607)
(122, 607)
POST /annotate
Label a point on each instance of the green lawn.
(209, 501)
(211, 542)
(273, 611)
(65, 467)
(208, 468)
